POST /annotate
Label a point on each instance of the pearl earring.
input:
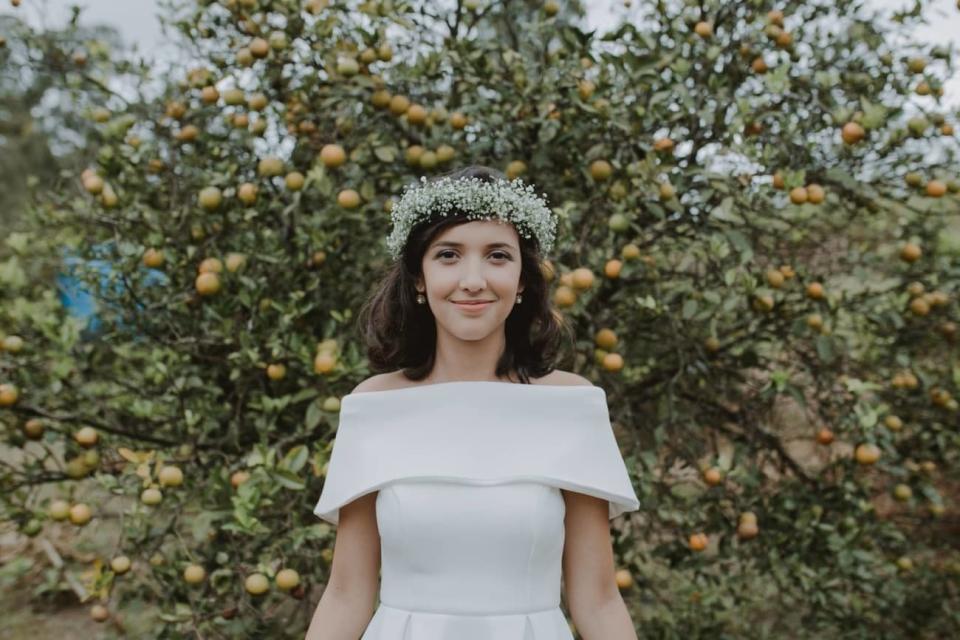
(519, 298)
(420, 298)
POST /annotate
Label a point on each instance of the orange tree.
(758, 252)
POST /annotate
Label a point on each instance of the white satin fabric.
(469, 508)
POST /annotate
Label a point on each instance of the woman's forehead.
(479, 233)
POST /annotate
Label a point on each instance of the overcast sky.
(137, 21)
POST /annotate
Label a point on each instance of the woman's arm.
(347, 603)
(590, 583)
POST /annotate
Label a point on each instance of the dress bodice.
(503, 541)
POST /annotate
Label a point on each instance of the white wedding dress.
(469, 508)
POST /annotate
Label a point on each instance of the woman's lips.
(473, 306)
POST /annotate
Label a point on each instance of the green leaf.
(295, 459)
(289, 480)
(314, 415)
(386, 154)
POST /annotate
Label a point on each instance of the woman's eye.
(499, 254)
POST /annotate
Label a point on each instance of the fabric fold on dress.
(476, 432)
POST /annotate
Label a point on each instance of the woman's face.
(477, 260)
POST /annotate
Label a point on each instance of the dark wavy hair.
(401, 334)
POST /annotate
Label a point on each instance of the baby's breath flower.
(480, 200)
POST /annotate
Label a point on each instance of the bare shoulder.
(563, 378)
(383, 382)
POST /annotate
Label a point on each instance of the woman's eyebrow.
(447, 243)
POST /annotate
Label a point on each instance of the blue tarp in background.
(78, 298)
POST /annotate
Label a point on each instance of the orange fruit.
(458, 120)
(852, 133)
(80, 514)
(348, 199)
(936, 188)
(910, 252)
(774, 278)
(235, 261)
(712, 476)
(815, 193)
(210, 265)
(239, 477)
(324, 363)
(259, 48)
(93, 184)
(582, 278)
(703, 29)
(867, 453)
(825, 436)
(207, 284)
(892, 422)
(256, 584)
(210, 198)
(209, 94)
(99, 612)
(902, 492)
(585, 88)
(332, 155)
(445, 153)
(287, 579)
(600, 170)
(380, 98)
(606, 339)
(151, 496)
(515, 169)
(188, 133)
(564, 297)
(194, 574)
(170, 476)
(294, 181)
(815, 290)
(33, 429)
(763, 302)
(798, 195)
(663, 144)
(276, 371)
(747, 529)
(120, 565)
(613, 362)
(153, 258)
(697, 541)
(416, 114)
(630, 252)
(86, 437)
(612, 268)
(624, 578)
(59, 509)
(919, 307)
(399, 105)
(270, 166)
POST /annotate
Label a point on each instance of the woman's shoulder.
(396, 380)
(563, 378)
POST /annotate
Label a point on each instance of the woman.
(472, 469)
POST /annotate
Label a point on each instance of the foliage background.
(717, 361)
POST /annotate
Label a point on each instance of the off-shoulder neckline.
(490, 384)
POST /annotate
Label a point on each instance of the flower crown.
(510, 200)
